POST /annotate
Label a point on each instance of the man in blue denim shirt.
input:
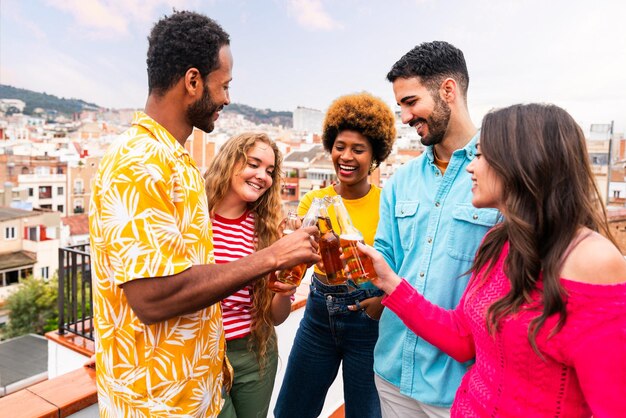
(428, 230)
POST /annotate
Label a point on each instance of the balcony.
(71, 388)
(75, 297)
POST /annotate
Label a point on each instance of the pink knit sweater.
(583, 372)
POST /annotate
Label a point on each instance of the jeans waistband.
(341, 293)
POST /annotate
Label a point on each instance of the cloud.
(13, 11)
(97, 16)
(113, 18)
(310, 14)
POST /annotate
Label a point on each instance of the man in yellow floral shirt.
(160, 344)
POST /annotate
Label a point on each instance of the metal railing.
(75, 291)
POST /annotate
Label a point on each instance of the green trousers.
(251, 392)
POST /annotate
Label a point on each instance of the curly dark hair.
(365, 114)
(179, 42)
(432, 62)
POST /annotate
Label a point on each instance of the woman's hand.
(283, 289)
(387, 279)
(372, 307)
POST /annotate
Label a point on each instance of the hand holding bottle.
(292, 276)
(358, 266)
(385, 278)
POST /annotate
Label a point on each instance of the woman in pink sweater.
(544, 314)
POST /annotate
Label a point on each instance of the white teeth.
(347, 168)
(256, 186)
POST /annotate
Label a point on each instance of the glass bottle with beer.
(329, 247)
(359, 267)
(294, 275)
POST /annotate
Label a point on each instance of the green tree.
(33, 308)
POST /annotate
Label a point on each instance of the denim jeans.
(330, 334)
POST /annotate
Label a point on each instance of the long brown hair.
(539, 153)
(233, 155)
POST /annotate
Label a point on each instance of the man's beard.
(200, 113)
(437, 123)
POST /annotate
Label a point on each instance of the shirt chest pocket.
(469, 226)
(406, 218)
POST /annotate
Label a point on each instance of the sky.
(290, 53)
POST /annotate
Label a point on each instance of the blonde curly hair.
(268, 215)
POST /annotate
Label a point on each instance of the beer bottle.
(294, 275)
(329, 248)
(359, 267)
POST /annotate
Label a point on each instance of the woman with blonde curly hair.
(340, 323)
(243, 188)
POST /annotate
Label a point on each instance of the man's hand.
(296, 248)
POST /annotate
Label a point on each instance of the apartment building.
(45, 189)
(29, 244)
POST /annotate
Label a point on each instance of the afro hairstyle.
(365, 114)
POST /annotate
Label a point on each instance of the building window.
(45, 272)
(32, 233)
(45, 192)
(31, 192)
(78, 187)
(60, 208)
(60, 191)
(289, 191)
(9, 232)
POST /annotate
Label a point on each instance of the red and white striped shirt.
(232, 240)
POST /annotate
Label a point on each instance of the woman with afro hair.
(340, 323)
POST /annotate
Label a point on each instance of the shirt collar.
(469, 150)
(159, 133)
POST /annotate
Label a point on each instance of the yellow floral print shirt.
(148, 219)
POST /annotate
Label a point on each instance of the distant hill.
(53, 104)
(259, 116)
(48, 102)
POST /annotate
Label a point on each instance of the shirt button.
(475, 217)
(422, 274)
(437, 174)
(329, 298)
(436, 204)
(430, 240)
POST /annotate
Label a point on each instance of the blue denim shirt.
(428, 233)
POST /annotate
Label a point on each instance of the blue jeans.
(328, 334)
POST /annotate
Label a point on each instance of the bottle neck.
(324, 224)
(344, 221)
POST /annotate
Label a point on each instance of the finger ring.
(358, 305)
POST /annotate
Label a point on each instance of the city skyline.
(290, 53)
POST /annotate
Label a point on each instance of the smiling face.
(487, 186)
(352, 157)
(204, 112)
(253, 177)
(427, 113)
